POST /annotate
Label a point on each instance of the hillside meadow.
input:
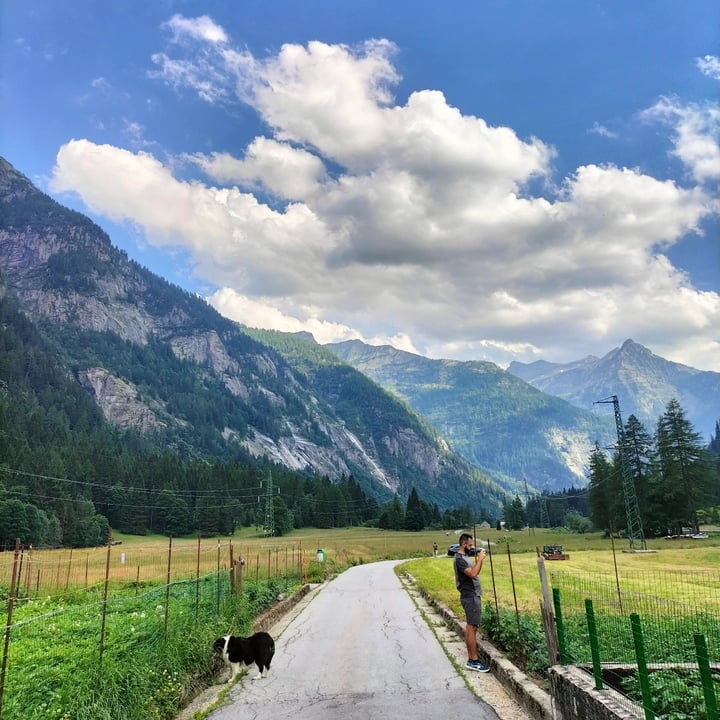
(673, 570)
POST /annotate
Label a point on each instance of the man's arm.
(474, 571)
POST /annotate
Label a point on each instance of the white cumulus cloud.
(359, 214)
(696, 134)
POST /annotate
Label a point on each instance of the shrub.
(524, 642)
(677, 694)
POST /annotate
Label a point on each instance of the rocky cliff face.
(119, 402)
(26, 255)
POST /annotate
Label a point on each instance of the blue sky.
(488, 180)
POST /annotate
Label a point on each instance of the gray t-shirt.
(466, 585)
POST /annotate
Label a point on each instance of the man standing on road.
(468, 583)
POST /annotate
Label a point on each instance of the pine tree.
(714, 446)
(392, 516)
(684, 481)
(414, 515)
(603, 488)
(514, 514)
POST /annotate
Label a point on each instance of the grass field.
(55, 600)
(684, 566)
(145, 558)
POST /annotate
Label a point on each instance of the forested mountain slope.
(164, 365)
(490, 417)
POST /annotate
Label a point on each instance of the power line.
(131, 488)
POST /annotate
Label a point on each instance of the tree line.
(676, 479)
(675, 476)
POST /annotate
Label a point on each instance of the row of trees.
(417, 514)
(676, 480)
(210, 499)
(676, 477)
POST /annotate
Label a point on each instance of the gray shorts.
(471, 606)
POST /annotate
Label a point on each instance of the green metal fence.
(653, 637)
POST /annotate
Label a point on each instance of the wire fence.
(104, 601)
(51, 572)
(653, 637)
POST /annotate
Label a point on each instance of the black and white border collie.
(258, 648)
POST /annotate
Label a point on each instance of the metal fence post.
(512, 582)
(218, 577)
(594, 644)
(105, 598)
(706, 676)
(642, 666)
(492, 577)
(167, 584)
(197, 580)
(560, 627)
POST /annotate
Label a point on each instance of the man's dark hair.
(464, 537)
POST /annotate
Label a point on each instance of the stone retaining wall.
(574, 695)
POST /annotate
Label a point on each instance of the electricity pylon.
(269, 507)
(544, 517)
(632, 510)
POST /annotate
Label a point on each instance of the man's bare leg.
(471, 641)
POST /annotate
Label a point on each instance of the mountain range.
(643, 382)
(161, 362)
(538, 422)
(524, 438)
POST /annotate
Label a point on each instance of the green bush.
(677, 694)
(523, 640)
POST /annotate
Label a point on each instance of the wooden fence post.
(239, 564)
(105, 598)
(547, 615)
(8, 626)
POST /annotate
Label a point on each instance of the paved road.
(360, 649)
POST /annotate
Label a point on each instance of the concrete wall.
(574, 696)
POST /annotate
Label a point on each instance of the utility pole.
(269, 507)
(544, 517)
(632, 510)
(531, 528)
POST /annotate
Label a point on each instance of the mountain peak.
(644, 383)
(631, 346)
